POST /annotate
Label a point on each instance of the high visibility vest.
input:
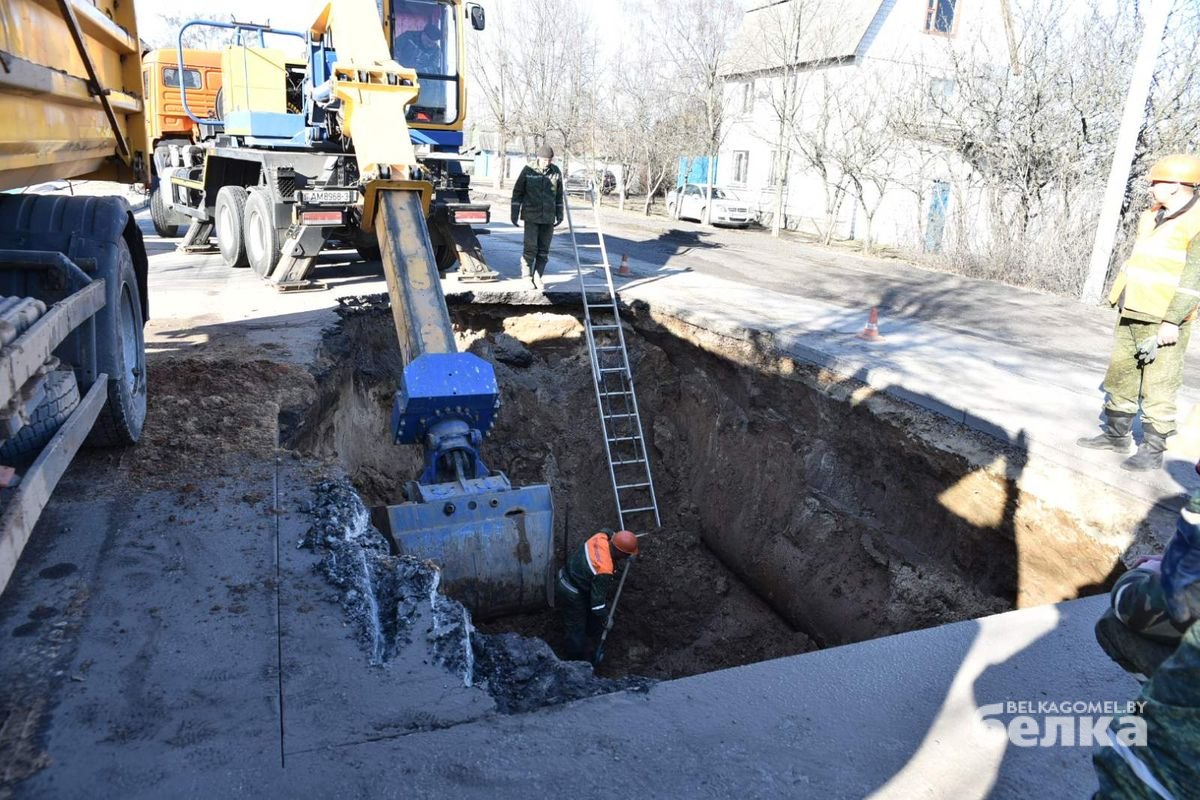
(1150, 277)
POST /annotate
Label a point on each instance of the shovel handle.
(612, 611)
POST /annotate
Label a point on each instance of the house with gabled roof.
(813, 88)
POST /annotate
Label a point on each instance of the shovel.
(599, 655)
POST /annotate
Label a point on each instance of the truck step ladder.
(616, 398)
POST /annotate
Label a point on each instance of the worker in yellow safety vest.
(583, 586)
(1157, 292)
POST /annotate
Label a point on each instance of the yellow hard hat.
(1179, 168)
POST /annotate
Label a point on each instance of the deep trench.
(800, 510)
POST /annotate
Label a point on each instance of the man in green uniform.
(583, 586)
(537, 198)
(1152, 629)
(1157, 291)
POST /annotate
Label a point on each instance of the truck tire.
(366, 244)
(121, 353)
(262, 237)
(158, 215)
(230, 213)
(62, 398)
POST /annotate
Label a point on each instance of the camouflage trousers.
(1172, 716)
(1153, 388)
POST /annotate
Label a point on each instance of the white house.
(804, 81)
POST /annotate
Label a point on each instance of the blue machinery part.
(447, 402)
(494, 543)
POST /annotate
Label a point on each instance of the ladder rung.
(614, 394)
(612, 369)
(629, 461)
(634, 485)
(638, 510)
(611, 347)
(619, 416)
(624, 438)
(605, 327)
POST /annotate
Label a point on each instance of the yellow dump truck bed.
(52, 125)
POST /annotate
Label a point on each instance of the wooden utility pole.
(1155, 14)
(1010, 32)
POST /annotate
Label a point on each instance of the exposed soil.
(800, 509)
(205, 410)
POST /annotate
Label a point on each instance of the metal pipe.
(235, 26)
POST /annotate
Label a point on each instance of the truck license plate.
(329, 197)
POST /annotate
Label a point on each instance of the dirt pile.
(201, 411)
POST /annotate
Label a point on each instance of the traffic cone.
(624, 270)
(871, 332)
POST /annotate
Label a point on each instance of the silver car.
(727, 207)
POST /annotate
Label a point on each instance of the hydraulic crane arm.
(493, 542)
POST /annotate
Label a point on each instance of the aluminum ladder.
(616, 398)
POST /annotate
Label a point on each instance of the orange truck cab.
(166, 118)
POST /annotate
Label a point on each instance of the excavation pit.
(801, 509)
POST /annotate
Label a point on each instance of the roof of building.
(803, 33)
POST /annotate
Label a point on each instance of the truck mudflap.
(494, 544)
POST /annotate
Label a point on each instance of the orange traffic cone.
(871, 332)
(623, 270)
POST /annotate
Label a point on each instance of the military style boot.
(1149, 454)
(1117, 434)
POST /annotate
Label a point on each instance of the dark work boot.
(1149, 454)
(1117, 434)
(1135, 654)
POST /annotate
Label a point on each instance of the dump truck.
(73, 269)
(268, 174)
(164, 80)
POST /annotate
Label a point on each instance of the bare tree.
(697, 35)
(494, 72)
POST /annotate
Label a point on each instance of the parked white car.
(727, 207)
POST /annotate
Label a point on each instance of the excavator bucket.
(495, 548)
(494, 543)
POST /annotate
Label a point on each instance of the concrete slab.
(169, 663)
(894, 718)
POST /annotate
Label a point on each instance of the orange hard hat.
(1178, 168)
(626, 542)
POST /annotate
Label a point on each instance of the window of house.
(741, 165)
(777, 173)
(939, 16)
(747, 97)
(942, 88)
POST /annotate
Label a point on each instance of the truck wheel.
(231, 210)
(446, 256)
(62, 397)
(366, 244)
(158, 215)
(121, 353)
(262, 237)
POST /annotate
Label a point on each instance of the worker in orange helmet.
(583, 586)
(1157, 292)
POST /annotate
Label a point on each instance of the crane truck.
(73, 270)
(268, 173)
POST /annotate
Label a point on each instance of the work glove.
(1147, 351)
(558, 218)
(516, 219)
